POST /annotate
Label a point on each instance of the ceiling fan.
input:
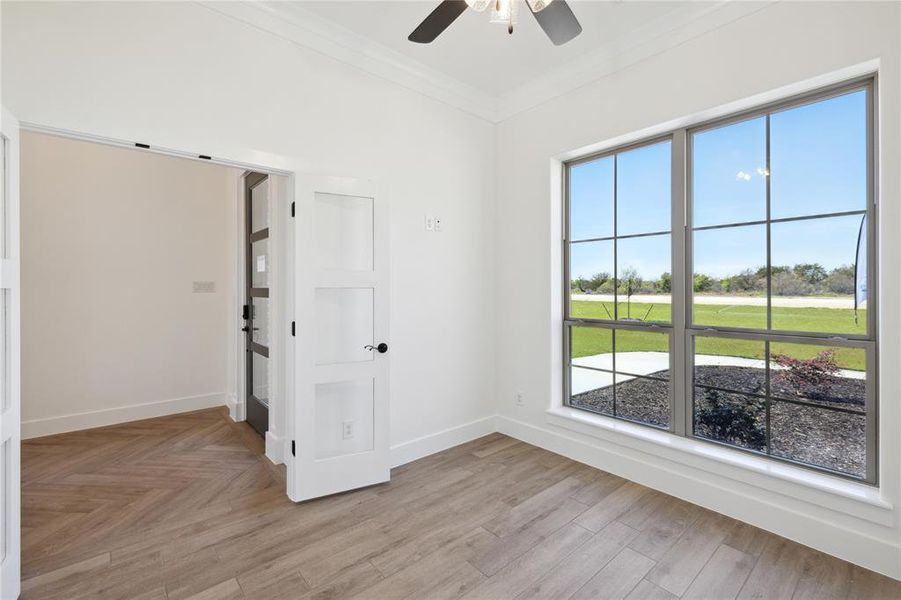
(554, 16)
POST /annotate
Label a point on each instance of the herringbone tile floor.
(187, 507)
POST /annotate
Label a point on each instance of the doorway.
(256, 309)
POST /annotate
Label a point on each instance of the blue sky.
(818, 165)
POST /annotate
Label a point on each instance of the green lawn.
(587, 341)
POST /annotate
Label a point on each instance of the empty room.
(477, 299)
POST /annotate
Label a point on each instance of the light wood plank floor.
(187, 507)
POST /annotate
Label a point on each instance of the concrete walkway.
(793, 301)
(645, 363)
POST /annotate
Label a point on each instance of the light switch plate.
(204, 287)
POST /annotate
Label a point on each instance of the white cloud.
(742, 176)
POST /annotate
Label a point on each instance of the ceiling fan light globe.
(478, 5)
(504, 12)
(538, 5)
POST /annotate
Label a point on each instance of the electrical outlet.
(347, 430)
(429, 223)
(439, 226)
(517, 398)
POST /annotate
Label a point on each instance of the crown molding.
(665, 32)
(299, 26)
(291, 22)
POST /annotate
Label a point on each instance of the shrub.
(597, 281)
(746, 281)
(664, 285)
(811, 273)
(808, 375)
(789, 283)
(629, 282)
(840, 283)
(647, 287)
(702, 283)
(730, 421)
(840, 280)
(775, 269)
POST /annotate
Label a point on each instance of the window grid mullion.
(679, 399)
(767, 399)
(615, 259)
(769, 247)
(613, 347)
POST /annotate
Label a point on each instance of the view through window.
(772, 326)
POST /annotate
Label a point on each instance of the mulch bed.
(827, 438)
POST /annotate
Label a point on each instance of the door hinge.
(292, 328)
(292, 209)
(293, 451)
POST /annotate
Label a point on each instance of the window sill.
(678, 449)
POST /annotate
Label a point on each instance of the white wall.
(182, 76)
(781, 45)
(112, 241)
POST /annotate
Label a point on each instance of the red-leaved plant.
(810, 374)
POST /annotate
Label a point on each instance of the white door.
(10, 437)
(341, 346)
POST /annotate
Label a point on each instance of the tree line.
(803, 279)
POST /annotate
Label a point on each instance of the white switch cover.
(204, 287)
(429, 223)
(347, 430)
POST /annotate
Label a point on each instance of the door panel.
(341, 297)
(343, 405)
(344, 232)
(258, 284)
(260, 263)
(260, 315)
(10, 437)
(344, 325)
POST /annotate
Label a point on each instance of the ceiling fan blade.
(558, 22)
(437, 21)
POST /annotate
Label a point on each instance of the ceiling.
(475, 65)
(481, 54)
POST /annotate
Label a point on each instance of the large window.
(620, 273)
(721, 282)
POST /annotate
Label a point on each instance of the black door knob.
(382, 348)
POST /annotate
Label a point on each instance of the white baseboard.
(235, 408)
(121, 414)
(757, 507)
(275, 448)
(421, 447)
